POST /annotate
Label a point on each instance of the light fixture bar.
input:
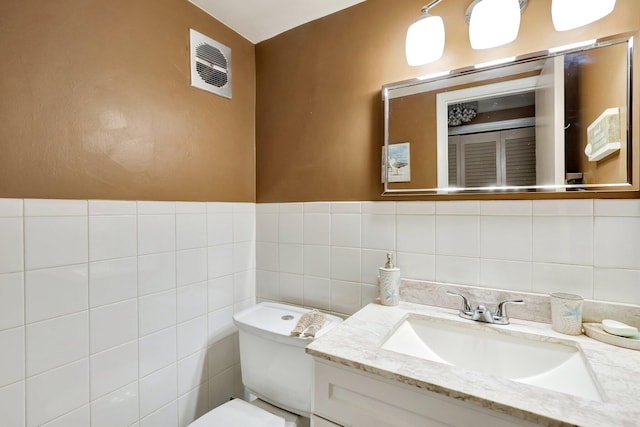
(430, 5)
(495, 62)
(434, 75)
(572, 46)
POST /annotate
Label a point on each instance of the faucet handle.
(501, 311)
(466, 306)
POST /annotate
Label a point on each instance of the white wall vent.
(210, 65)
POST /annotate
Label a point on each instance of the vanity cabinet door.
(349, 397)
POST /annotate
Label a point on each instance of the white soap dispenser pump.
(389, 281)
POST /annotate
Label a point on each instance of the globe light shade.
(425, 40)
(570, 14)
(494, 23)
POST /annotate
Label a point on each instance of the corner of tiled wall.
(119, 313)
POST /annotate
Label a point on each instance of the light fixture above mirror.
(570, 14)
(425, 38)
(493, 23)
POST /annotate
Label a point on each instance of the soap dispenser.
(389, 281)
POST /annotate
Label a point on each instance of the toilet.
(275, 369)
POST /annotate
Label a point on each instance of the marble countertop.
(357, 342)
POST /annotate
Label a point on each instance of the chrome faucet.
(482, 313)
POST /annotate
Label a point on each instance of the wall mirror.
(551, 121)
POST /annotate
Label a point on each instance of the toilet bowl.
(275, 369)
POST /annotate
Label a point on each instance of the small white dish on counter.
(596, 331)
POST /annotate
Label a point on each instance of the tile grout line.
(24, 305)
(175, 291)
(435, 241)
(89, 400)
(593, 250)
(302, 248)
(138, 308)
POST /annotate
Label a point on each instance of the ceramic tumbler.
(566, 313)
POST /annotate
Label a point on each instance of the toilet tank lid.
(275, 321)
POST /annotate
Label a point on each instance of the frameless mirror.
(557, 120)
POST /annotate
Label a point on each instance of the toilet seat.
(236, 413)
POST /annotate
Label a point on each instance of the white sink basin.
(526, 359)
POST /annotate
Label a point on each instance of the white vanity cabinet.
(349, 397)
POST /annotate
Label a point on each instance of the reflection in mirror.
(490, 135)
(545, 122)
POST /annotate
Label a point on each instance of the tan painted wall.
(319, 115)
(413, 120)
(97, 103)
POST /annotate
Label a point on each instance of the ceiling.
(259, 20)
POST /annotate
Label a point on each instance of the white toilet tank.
(274, 365)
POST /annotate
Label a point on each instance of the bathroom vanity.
(368, 372)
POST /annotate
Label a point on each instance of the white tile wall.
(192, 405)
(113, 369)
(118, 313)
(378, 231)
(192, 301)
(12, 358)
(52, 292)
(290, 256)
(55, 241)
(193, 370)
(291, 288)
(156, 312)
(56, 342)
(563, 239)
(78, 418)
(454, 269)
(11, 253)
(112, 236)
(156, 273)
(11, 300)
(157, 350)
(113, 324)
(589, 247)
(346, 229)
(458, 235)
(317, 229)
(192, 336)
(113, 281)
(57, 392)
(119, 408)
(12, 404)
(191, 266)
(167, 416)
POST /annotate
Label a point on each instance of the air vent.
(210, 65)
